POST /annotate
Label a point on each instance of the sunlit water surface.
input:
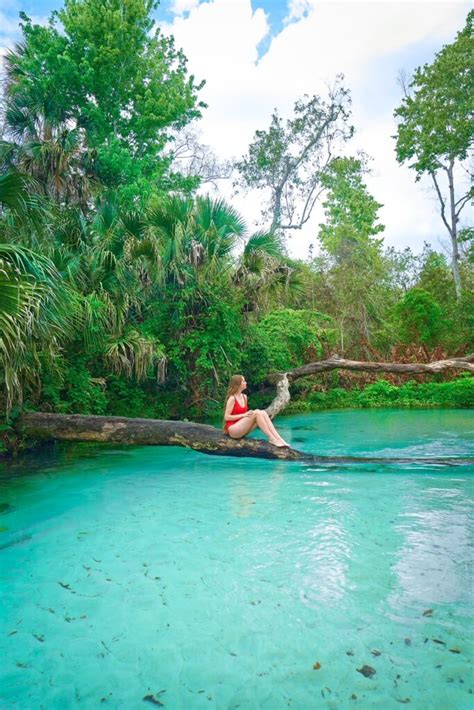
(150, 577)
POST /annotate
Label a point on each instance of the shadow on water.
(388, 468)
(54, 456)
(386, 461)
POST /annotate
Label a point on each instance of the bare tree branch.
(462, 201)
(403, 82)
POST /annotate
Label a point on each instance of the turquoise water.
(211, 582)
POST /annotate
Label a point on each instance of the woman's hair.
(234, 384)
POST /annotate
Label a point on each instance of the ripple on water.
(209, 582)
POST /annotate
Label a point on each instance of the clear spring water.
(210, 582)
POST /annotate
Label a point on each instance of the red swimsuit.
(237, 409)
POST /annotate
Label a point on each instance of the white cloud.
(297, 9)
(220, 39)
(360, 39)
(181, 6)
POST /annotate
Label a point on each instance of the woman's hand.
(250, 413)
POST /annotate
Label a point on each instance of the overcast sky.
(257, 55)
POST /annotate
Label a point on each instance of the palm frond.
(14, 192)
(133, 355)
(35, 306)
(263, 243)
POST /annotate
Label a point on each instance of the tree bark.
(454, 232)
(452, 222)
(162, 432)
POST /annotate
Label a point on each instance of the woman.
(239, 420)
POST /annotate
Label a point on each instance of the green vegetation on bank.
(124, 290)
(411, 395)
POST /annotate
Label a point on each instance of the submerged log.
(199, 437)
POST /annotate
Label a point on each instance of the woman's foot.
(278, 442)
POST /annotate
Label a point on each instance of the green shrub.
(75, 390)
(456, 393)
(420, 318)
(283, 340)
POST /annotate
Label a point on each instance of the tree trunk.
(450, 223)
(145, 432)
(453, 232)
(283, 380)
(276, 218)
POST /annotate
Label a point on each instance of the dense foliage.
(90, 106)
(123, 291)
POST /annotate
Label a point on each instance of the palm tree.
(265, 275)
(43, 140)
(112, 263)
(196, 237)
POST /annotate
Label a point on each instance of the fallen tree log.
(199, 437)
(401, 368)
(44, 426)
(283, 380)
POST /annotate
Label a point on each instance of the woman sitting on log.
(240, 421)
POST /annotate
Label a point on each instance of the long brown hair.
(234, 384)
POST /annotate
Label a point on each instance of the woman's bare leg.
(264, 423)
(275, 434)
(242, 427)
(261, 420)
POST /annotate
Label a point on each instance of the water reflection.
(367, 539)
(325, 561)
(245, 494)
(325, 553)
(433, 562)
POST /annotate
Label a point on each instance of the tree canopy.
(436, 131)
(100, 98)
